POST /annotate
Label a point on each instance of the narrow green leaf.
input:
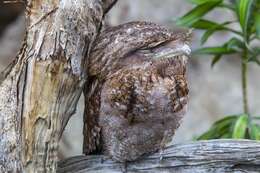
(235, 44)
(255, 59)
(226, 136)
(195, 14)
(206, 35)
(228, 118)
(257, 24)
(240, 127)
(198, 1)
(254, 132)
(224, 125)
(210, 134)
(204, 24)
(215, 60)
(219, 128)
(214, 50)
(244, 11)
(212, 30)
(229, 47)
(254, 55)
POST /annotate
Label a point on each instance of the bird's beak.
(171, 52)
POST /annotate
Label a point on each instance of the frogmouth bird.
(138, 90)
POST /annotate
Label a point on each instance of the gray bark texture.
(214, 156)
(42, 87)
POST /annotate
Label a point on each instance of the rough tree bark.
(215, 156)
(43, 86)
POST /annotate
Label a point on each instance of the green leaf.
(214, 50)
(210, 134)
(215, 60)
(235, 44)
(240, 127)
(244, 11)
(212, 30)
(204, 24)
(226, 119)
(195, 14)
(257, 25)
(226, 136)
(198, 1)
(254, 132)
(256, 60)
(219, 128)
(207, 34)
(229, 47)
(254, 55)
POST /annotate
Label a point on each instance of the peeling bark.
(52, 66)
(10, 119)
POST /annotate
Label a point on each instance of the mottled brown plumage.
(138, 90)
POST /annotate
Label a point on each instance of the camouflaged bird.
(137, 92)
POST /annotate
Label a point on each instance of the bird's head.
(138, 44)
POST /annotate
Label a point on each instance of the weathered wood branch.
(215, 156)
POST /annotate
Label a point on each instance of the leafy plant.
(247, 15)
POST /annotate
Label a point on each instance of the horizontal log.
(214, 156)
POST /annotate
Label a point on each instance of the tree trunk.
(215, 156)
(41, 91)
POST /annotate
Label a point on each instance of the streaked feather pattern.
(138, 91)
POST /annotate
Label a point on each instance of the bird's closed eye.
(145, 52)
